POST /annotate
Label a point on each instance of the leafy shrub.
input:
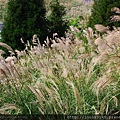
(101, 12)
(24, 18)
(76, 22)
(56, 22)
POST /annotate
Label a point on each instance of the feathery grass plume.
(113, 39)
(115, 100)
(62, 45)
(11, 59)
(47, 42)
(102, 45)
(76, 92)
(115, 18)
(35, 40)
(38, 93)
(1, 55)
(109, 42)
(74, 29)
(20, 53)
(4, 109)
(4, 69)
(2, 52)
(91, 32)
(90, 36)
(116, 10)
(22, 41)
(102, 29)
(64, 73)
(101, 83)
(6, 46)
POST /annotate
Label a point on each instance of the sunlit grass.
(67, 79)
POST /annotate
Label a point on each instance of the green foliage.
(76, 22)
(101, 12)
(22, 97)
(24, 18)
(56, 22)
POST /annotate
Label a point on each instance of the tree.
(24, 19)
(56, 22)
(101, 13)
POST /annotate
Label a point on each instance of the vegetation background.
(101, 13)
(75, 74)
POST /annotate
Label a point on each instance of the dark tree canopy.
(24, 19)
(101, 13)
(56, 22)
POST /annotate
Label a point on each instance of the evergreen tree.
(57, 24)
(101, 12)
(24, 19)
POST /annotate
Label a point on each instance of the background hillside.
(73, 7)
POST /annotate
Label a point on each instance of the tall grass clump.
(63, 77)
